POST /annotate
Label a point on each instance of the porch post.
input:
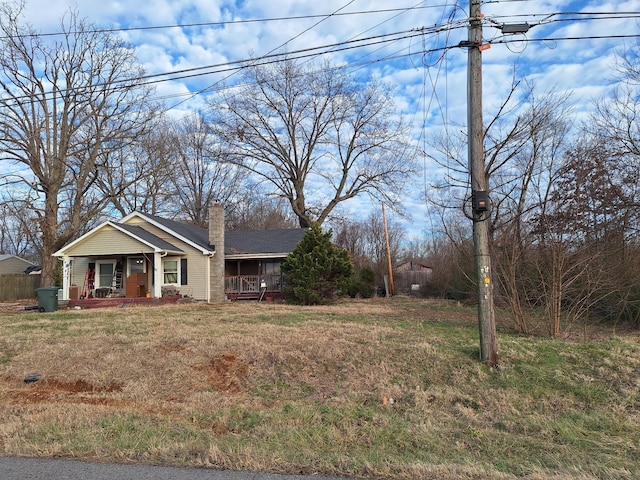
(66, 277)
(238, 277)
(157, 275)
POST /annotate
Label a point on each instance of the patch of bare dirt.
(226, 373)
(48, 389)
(16, 306)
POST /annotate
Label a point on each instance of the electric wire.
(265, 60)
(334, 14)
(387, 38)
(224, 23)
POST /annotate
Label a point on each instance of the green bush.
(316, 269)
(363, 284)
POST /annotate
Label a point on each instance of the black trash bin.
(47, 299)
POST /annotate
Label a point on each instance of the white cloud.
(582, 66)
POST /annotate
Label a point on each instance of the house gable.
(12, 264)
(115, 239)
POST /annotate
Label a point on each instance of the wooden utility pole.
(391, 291)
(480, 190)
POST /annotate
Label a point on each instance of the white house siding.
(196, 261)
(109, 241)
(78, 271)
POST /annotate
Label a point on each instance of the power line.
(333, 14)
(571, 16)
(272, 58)
(559, 39)
(307, 53)
(383, 39)
(230, 22)
(199, 92)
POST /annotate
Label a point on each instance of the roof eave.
(154, 248)
(245, 256)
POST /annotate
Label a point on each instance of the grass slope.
(279, 388)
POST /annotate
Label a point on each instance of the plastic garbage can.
(47, 299)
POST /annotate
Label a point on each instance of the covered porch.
(254, 279)
(109, 276)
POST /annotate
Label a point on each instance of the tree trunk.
(49, 241)
(556, 290)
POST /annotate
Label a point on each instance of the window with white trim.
(170, 272)
(104, 273)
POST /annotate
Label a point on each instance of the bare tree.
(365, 241)
(615, 121)
(139, 177)
(67, 106)
(200, 176)
(255, 210)
(317, 137)
(580, 231)
(523, 140)
(519, 183)
(17, 233)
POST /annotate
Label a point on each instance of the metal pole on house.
(386, 237)
(480, 190)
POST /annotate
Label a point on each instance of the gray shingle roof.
(238, 241)
(198, 235)
(8, 256)
(262, 241)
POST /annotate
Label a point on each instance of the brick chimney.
(216, 238)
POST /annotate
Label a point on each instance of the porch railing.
(252, 283)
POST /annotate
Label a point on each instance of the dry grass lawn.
(378, 389)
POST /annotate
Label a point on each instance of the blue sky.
(429, 87)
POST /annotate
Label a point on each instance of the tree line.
(564, 200)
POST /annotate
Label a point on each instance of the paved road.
(19, 468)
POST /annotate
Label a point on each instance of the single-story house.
(13, 265)
(145, 255)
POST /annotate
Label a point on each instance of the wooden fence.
(18, 287)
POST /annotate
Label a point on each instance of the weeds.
(384, 389)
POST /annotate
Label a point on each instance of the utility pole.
(480, 190)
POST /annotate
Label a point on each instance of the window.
(170, 272)
(105, 274)
(270, 276)
(136, 265)
(270, 268)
